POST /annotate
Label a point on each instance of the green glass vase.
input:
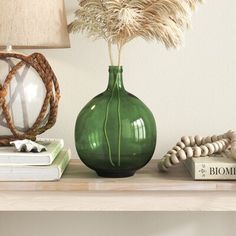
(115, 133)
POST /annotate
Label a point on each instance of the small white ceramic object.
(28, 146)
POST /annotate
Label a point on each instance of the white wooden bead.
(186, 140)
(205, 151)
(198, 140)
(181, 145)
(197, 151)
(172, 152)
(189, 151)
(167, 155)
(161, 165)
(216, 147)
(210, 148)
(182, 154)
(226, 142)
(220, 146)
(223, 141)
(192, 141)
(167, 162)
(223, 144)
(208, 139)
(214, 138)
(174, 159)
(230, 134)
(204, 141)
(232, 137)
(177, 148)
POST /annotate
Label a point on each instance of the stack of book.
(215, 167)
(48, 165)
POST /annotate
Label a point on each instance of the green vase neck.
(115, 77)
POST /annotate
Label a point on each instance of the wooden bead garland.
(197, 146)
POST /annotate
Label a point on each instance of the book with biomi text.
(10, 156)
(215, 167)
(51, 172)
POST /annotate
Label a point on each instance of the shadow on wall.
(114, 224)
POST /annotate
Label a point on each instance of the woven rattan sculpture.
(48, 113)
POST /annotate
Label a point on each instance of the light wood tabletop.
(80, 189)
(78, 177)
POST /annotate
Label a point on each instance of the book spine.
(62, 166)
(214, 171)
(56, 151)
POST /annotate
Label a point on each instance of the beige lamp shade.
(33, 24)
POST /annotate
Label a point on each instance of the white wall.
(190, 91)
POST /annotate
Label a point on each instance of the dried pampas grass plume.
(119, 21)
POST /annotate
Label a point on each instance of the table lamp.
(29, 91)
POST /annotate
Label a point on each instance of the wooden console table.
(149, 190)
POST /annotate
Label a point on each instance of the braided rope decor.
(197, 146)
(48, 113)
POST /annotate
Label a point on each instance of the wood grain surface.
(78, 177)
(117, 201)
(80, 189)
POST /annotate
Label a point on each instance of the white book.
(52, 172)
(9, 155)
(216, 167)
